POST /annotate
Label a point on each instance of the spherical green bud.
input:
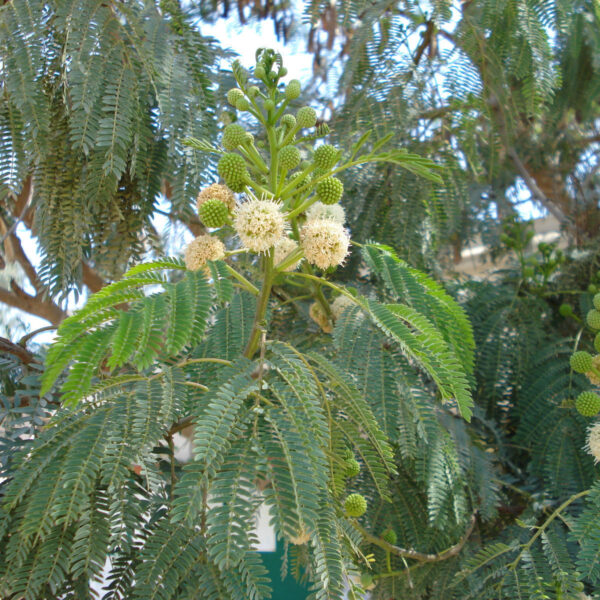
(389, 535)
(588, 404)
(592, 289)
(565, 310)
(306, 117)
(289, 157)
(233, 95)
(232, 168)
(581, 362)
(347, 454)
(213, 213)
(325, 157)
(249, 138)
(253, 91)
(593, 318)
(597, 302)
(352, 467)
(330, 190)
(233, 136)
(269, 104)
(355, 505)
(293, 89)
(283, 72)
(288, 121)
(259, 72)
(242, 104)
(597, 342)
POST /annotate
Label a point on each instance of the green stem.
(245, 283)
(261, 307)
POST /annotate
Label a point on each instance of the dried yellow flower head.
(335, 212)
(592, 445)
(594, 379)
(259, 224)
(317, 314)
(283, 248)
(201, 250)
(340, 304)
(220, 192)
(325, 242)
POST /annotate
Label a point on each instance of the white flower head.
(340, 304)
(201, 250)
(283, 248)
(259, 224)
(335, 212)
(592, 445)
(220, 192)
(325, 242)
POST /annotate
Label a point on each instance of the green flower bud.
(592, 289)
(288, 121)
(232, 168)
(352, 467)
(565, 310)
(233, 95)
(289, 157)
(581, 362)
(213, 213)
(330, 190)
(253, 91)
(259, 72)
(593, 318)
(293, 89)
(306, 117)
(283, 72)
(242, 104)
(325, 157)
(233, 136)
(355, 505)
(269, 104)
(597, 302)
(588, 404)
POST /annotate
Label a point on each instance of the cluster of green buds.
(588, 402)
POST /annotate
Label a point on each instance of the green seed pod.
(289, 157)
(306, 117)
(213, 213)
(288, 121)
(232, 168)
(233, 95)
(355, 505)
(565, 310)
(293, 89)
(259, 72)
(242, 104)
(325, 157)
(233, 136)
(389, 535)
(588, 404)
(269, 104)
(593, 318)
(352, 467)
(330, 190)
(581, 362)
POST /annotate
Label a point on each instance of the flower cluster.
(325, 242)
(592, 445)
(259, 224)
(201, 250)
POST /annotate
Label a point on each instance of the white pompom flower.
(201, 250)
(335, 212)
(259, 224)
(592, 445)
(325, 242)
(283, 248)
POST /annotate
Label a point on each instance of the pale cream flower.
(335, 212)
(283, 248)
(340, 304)
(201, 250)
(592, 445)
(325, 242)
(317, 314)
(220, 192)
(259, 224)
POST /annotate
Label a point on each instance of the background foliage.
(96, 99)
